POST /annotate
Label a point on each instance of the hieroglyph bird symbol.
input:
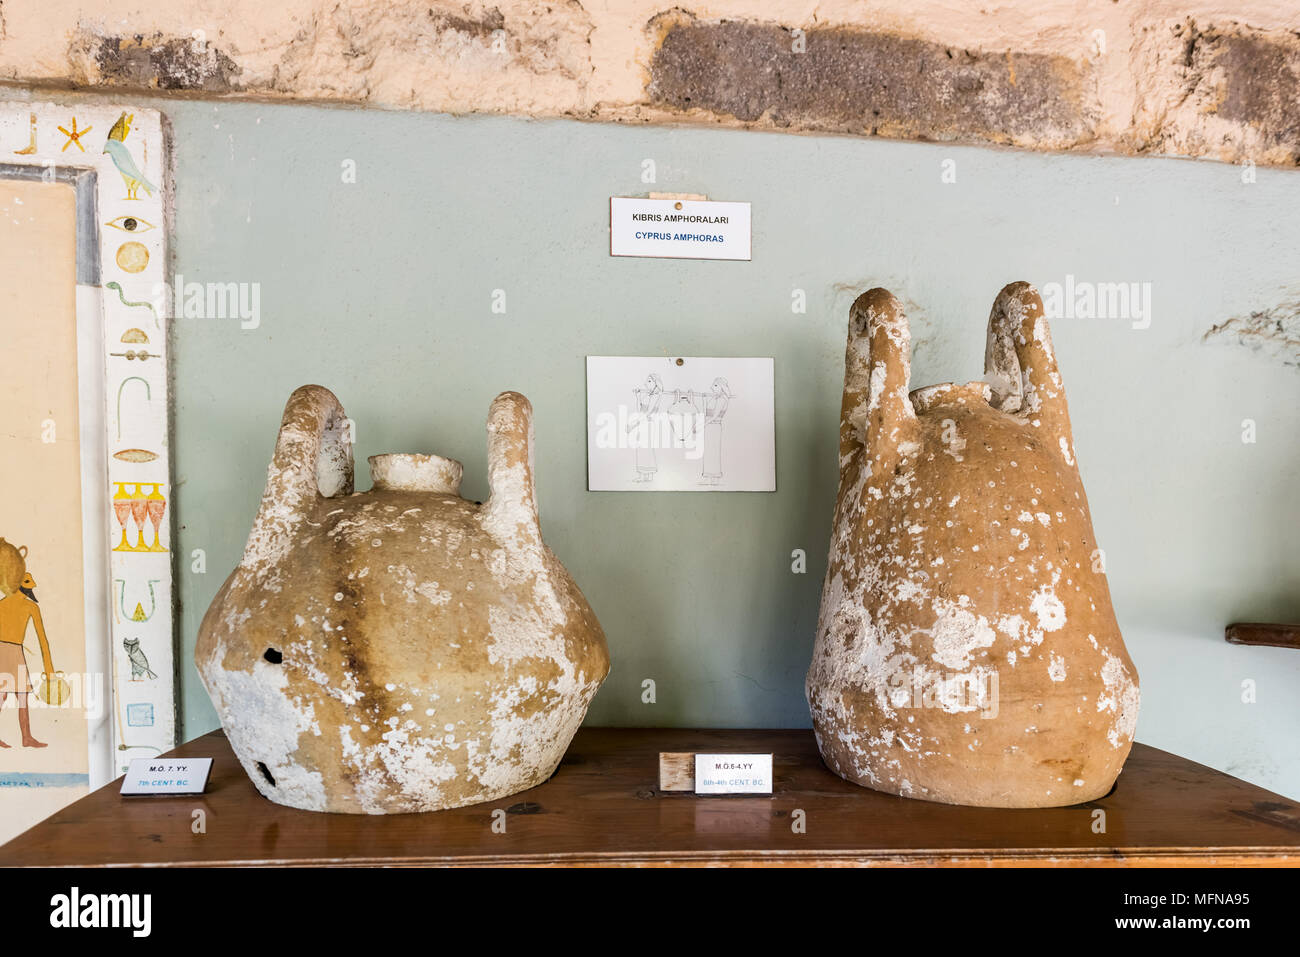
(139, 663)
(115, 147)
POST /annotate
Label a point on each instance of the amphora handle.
(511, 509)
(313, 459)
(876, 412)
(1020, 364)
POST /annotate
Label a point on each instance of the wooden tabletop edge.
(934, 857)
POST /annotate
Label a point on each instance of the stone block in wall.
(1224, 91)
(433, 55)
(853, 80)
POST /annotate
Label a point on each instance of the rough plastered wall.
(1186, 77)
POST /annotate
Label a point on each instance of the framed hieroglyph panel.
(86, 624)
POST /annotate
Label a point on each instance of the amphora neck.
(412, 472)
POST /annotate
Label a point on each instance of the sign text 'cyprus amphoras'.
(967, 651)
(401, 649)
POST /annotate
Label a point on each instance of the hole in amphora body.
(273, 655)
(266, 773)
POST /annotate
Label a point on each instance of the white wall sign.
(678, 228)
(687, 424)
(733, 774)
(166, 776)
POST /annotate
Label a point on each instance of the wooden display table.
(602, 807)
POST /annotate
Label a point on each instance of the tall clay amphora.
(966, 650)
(401, 649)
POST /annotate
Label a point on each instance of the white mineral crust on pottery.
(401, 649)
(966, 651)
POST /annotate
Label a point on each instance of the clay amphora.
(966, 649)
(401, 649)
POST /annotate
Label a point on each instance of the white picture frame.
(115, 157)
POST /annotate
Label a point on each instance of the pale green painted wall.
(381, 291)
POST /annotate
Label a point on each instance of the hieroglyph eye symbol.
(131, 224)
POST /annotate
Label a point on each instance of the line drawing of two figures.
(691, 420)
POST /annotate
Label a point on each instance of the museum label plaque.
(733, 774)
(166, 776)
(678, 228)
